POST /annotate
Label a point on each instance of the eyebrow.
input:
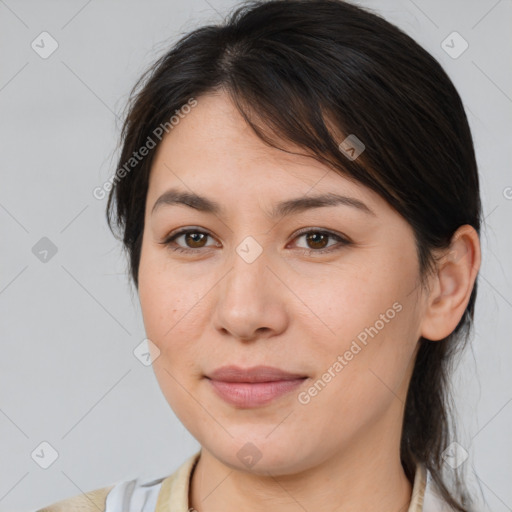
(282, 209)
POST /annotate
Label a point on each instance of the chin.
(264, 454)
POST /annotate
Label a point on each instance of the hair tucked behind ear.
(310, 72)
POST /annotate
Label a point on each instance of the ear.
(452, 284)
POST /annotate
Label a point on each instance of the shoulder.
(138, 495)
(93, 501)
(112, 498)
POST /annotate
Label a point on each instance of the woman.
(298, 196)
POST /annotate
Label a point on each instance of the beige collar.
(174, 492)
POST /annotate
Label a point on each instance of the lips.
(253, 374)
(253, 387)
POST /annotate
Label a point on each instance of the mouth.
(253, 387)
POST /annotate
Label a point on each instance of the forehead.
(213, 149)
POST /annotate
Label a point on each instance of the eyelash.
(342, 241)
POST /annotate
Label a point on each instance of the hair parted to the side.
(307, 72)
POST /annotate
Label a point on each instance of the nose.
(251, 300)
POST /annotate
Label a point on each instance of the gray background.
(68, 375)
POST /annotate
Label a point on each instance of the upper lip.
(253, 374)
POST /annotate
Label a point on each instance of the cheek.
(363, 329)
(167, 304)
(174, 316)
(347, 302)
(357, 383)
(163, 298)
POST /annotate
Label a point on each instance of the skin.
(291, 310)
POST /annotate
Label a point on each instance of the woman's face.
(328, 293)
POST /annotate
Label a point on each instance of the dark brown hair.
(306, 71)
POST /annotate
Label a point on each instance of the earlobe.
(453, 283)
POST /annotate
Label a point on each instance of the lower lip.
(245, 394)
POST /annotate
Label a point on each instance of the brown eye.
(320, 242)
(191, 240)
(195, 239)
(317, 240)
